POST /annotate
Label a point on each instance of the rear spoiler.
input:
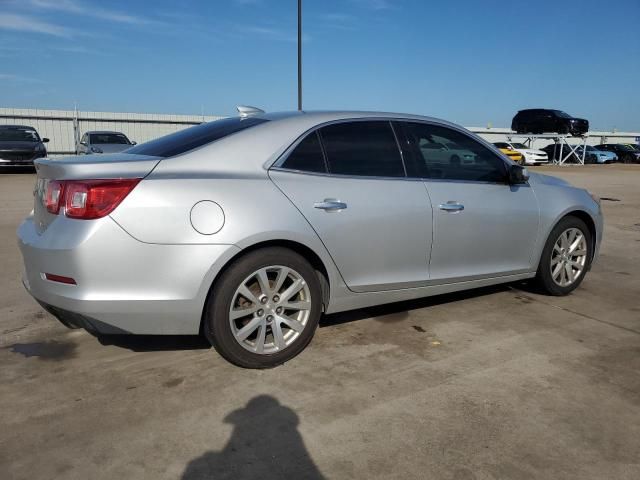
(94, 167)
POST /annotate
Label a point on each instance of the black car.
(626, 153)
(20, 146)
(539, 120)
(570, 156)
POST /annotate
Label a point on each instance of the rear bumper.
(123, 285)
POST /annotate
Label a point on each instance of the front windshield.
(18, 135)
(108, 139)
(562, 114)
(518, 145)
(626, 148)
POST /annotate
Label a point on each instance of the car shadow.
(10, 170)
(155, 343)
(390, 311)
(265, 444)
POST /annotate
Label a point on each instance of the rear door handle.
(330, 205)
(452, 207)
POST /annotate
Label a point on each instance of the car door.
(482, 226)
(349, 181)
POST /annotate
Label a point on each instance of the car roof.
(8, 127)
(101, 132)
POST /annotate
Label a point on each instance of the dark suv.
(539, 120)
(20, 145)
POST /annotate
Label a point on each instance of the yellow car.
(510, 152)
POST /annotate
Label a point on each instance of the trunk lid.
(85, 167)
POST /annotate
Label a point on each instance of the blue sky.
(472, 62)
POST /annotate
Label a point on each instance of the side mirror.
(134, 143)
(518, 175)
(83, 143)
(45, 140)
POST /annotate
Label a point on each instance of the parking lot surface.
(497, 383)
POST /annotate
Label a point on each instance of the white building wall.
(58, 126)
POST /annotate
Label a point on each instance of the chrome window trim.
(277, 164)
(406, 179)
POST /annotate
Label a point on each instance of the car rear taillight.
(87, 199)
(54, 196)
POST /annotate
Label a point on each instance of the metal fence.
(65, 127)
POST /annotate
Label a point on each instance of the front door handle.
(452, 207)
(330, 205)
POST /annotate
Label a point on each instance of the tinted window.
(108, 139)
(194, 137)
(362, 148)
(502, 145)
(462, 157)
(307, 156)
(18, 135)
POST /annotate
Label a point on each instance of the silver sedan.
(248, 229)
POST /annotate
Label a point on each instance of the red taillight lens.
(54, 196)
(89, 199)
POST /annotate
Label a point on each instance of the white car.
(531, 156)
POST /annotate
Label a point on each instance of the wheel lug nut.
(260, 312)
(269, 318)
(276, 298)
(279, 310)
(264, 300)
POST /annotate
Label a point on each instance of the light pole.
(299, 54)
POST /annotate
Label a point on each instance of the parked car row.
(20, 145)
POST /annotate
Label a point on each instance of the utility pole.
(299, 54)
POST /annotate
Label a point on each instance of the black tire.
(216, 325)
(544, 279)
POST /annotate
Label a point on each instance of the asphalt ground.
(496, 383)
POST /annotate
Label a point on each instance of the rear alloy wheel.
(565, 258)
(264, 309)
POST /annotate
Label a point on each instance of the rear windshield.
(108, 139)
(194, 137)
(18, 135)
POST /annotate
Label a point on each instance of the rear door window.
(363, 148)
(194, 137)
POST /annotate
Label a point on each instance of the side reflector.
(60, 279)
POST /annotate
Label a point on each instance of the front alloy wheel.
(569, 257)
(565, 258)
(264, 308)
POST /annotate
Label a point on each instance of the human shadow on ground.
(265, 444)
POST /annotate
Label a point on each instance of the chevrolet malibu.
(248, 229)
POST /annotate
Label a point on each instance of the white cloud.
(26, 23)
(375, 4)
(10, 77)
(271, 33)
(79, 8)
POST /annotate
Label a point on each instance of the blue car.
(597, 156)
